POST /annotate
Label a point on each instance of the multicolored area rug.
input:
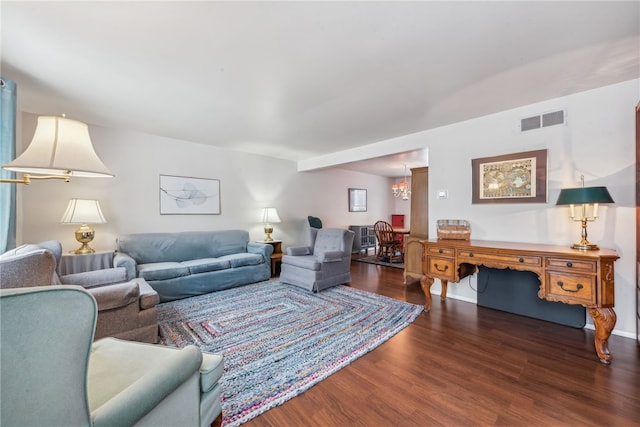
(279, 340)
(379, 261)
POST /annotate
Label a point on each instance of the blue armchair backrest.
(333, 239)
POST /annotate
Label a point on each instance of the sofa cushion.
(206, 264)
(242, 259)
(162, 270)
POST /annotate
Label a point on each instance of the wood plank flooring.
(463, 365)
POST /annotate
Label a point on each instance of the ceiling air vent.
(542, 121)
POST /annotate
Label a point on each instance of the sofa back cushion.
(177, 247)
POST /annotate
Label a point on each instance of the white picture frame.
(184, 195)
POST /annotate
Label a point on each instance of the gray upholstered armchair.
(54, 374)
(324, 263)
(127, 309)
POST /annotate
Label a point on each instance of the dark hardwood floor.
(463, 365)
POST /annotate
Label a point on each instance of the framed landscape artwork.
(510, 178)
(357, 200)
(182, 195)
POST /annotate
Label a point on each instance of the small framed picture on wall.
(357, 200)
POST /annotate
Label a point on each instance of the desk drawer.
(440, 251)
(577, 289)
(497, 260)
(441, 268)
(571, 264)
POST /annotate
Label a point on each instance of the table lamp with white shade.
(84, 212)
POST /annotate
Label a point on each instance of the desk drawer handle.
(470, 254)
(577, 289)
(521, 260)
(440, 251)
(446, 267)
(569, 264)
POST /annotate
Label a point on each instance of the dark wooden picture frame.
(357, 200)
(510, 178)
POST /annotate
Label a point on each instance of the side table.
(276, 256)
(71, 263)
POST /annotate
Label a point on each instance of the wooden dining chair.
(389, 246)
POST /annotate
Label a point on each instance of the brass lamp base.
(268, 229)
(84, 235)
(585, 246)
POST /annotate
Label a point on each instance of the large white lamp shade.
(61, 147)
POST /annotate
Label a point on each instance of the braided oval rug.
(279, 340)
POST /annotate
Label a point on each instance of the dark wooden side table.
(276, 256)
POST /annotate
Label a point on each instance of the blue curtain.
(7, 153)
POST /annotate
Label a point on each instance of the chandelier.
(402, 189)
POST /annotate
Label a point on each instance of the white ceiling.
(300, 80)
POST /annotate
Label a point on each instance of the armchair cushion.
(308, 262)
(91, 279)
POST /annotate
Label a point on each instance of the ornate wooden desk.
(566, 275)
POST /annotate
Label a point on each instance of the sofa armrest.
(114, 296)
(261, 249)
(94, 278)
(123, 260)
(299, 250)
(138, 398)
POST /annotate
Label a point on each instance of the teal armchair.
(53, 373)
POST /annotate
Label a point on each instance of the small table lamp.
(588, 198)
(269, 216)
(81, 211)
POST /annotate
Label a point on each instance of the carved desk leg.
(443, 291)
(604, 320)
(425, 284)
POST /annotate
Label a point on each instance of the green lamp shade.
(580, 196)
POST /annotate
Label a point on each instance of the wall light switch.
(443, 194)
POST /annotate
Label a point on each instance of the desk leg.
(604, 320)
(425, 284)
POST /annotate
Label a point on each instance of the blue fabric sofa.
(184, 264)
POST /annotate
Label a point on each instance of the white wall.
(598, 141)
(130, 201)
